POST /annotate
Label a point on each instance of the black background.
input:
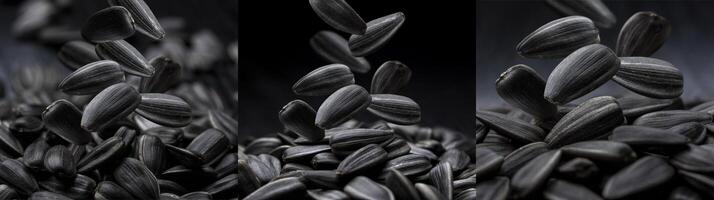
(436, 41)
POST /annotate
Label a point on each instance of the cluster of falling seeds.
(646, 146)
(329, 155)
(116, 128)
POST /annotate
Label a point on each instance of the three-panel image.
(356, 100)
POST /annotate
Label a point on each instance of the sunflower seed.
(81, 187)
(595, 10)
(92, 78)
(534, 174)
(348, 140)
(334, 48)
(103, 153)
(145, 20)
(225, 123)
(589, 120)
(339, 15)
(324, 80)
(701, 182)
(75, 54)
(224, 187)
(442, 178)
(647, 172)
(649, 77)
(695, 131)
(7, 192)
(209, 144)
(364, 188)
(378, 32)
(435, 146)
(328, 195)
(410, 165)
(112, 23)
(496, 188)
(581, 72)
(395, 109)
(60, 162)
(516, 159)
(167, 73)
(183, 156)
(15, 173)
(515, 129)
(488, 162)
(694, 159)
(322, 178)
(279, 189)
(262, 145)
(642, 34)
(578, 168)
(111, 104)
(164, 109)
(108, 190)
(522, 87)
(125, 54)
(428, 192)
(634, 106)
(64, 118)
(396, 147)
(457, 158)
(9, 143)
(32, 17)
(35, 153)
(166, 135)
(299, 117)
(670, 118)
(560, 189)
(363, 159)
(298, 153)
(401, 185)
(198, 195)
(559, 38)
(47, 195)
(600, 150)
(390, 78)
(169, 196)
(167, 186)
(246, 177)
(138, 180)
(150, 151)
(640, 135)
(461, 185)
(325, 160)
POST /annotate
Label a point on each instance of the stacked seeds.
(646, 146)
(326, 153)
(115, 127)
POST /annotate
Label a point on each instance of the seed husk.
(411, 165)
(601, 150)
(302, 153)
(246, 177)
(325, 160)
(363, 159)
(496, 188)
(515, 129)
(103, 153)
(561, 189)
(299, 117)
(167, 73)
(48, 195)
(395, 109)
(642, 34)
(671, 118)
(224, 187)
(328, 195)
(324, 80)
(402, 187)
(516, 159)
(364, 188)
(150, 151)
(138, 180)
(111, 104)
(125, 54)
(522, 87)
(322, 178)
(108, 190)
(457, 159)
(9, 143)
(695, 131)
(647, 136)
(535, 173)
(80, 187)
(15, 173)
(348, 140)
(559, 38)
(593, 9)
(694, 159)
(92, 78)
(703, 183)
(581, 72)
(390, 78)
(335, 49)
(634, 106)
(209, 144)
(164, 109)
(112, 23)
(34, 155)
(64, 118)
(167, 135)
(396, 147)
(488, 162)
(60, 162)
(378, 33)
(441, 177)
(146, 22)
(589, 120)
(646, 173)
(77, 53)
(429, 192)
(339, 15)
(579, 168)
(279, 189)
(650, 77)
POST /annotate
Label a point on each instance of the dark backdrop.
(436, 41)
(502, 24)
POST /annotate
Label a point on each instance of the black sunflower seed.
(410, 165)
(593, 9)
(225, 187)
(559, 38)
(581, 72)
(441, 177)
(642, 34)
(145, 20)
(322, 178)
(111, 104)
(81, 187)
(167, 74)
(390, 78)
(334, 48)
(299, 117)
(646, 136)
(225, 123)
(324, 80)
(108, 190)
(75, 54)
(138, 180)
(345, 141)
(695, 131)
(246, 177)
(364, 188)
(395, 109)
(522, 87)
(694, 159)
(328, 195)
(60, 162)
(197, 195)
(402, 187)
(325, 160)
(339, 15)
(670, 118)
(516, 159)
(589, 120)
(209, 144)
(496, 188)
(561, 189)
(534, 174)
(34, 155)
(166, 135)
(150, 151)
(113, 23)
(279, 189)
(302, 153)
(125, 54)
(9, 143)
(457, 158)
(601, 150)
(15, 173)
(7, 192)
(379, 31)
(64, 119)
(646, 173)
(103, 153)
(488, 163)
(47, 195)
(515, 129)
(164, 109)
(650, 77)
(363, 159)
(341, 105)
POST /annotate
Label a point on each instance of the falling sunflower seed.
(650, 77)
(642, 34)
(335, 49)
(559, 38)
(125, 54)
(593, 9)
(341, 105)
(379, 31)
(92, 78)
(112, 23)
(395, 109)
(339, 15)
(111, 104)
(145, 20)
(581, 72)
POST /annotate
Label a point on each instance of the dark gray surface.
(502, 24)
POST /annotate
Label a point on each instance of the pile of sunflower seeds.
(327, 154)
(119, 126)
(648, 145)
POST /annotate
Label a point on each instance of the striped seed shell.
(364, 188)
(348, 140)
(112, 23)
(138, 180)
(515, 129)
(145, 20)
(441, 177)
(302, 153)
(166, 135)
(34, 155)
(183, 156)
(334, 49)
(410, 165)
(299, 117)
(402, 187)
(42, 195)
(111, 104)
(325, 160)
(77, 53)
(79, 187)
(390, 78)
(457, 159)
(558, 38)
(92, 78)
(601, 150)
(671, 118)
(9, 143)
(246, 177)
(395, 109)
(647, 136)
(516, 159)
(378, 33)
(64, 119)
(164, 109)
(108, 190)
(341, 105)
(534, 174)
(694, 159)
(322, 178)
(224, 122)
(396, 147)
(150, 151)
(695, 131)
(223, 188)
(15, 173)
(429, 192)
(167, 73)
(339, 15)
(103, 153)
(167, 186)
(634, 106)
(125, 54)
(327, 195)
(488, 162)
(279, 189)
(209, 144)
(593, 9)
(646, 173)
(522, 87)
(197, 195)
(561, 189)
(496, 188)
(650, 77)
(581, 72)
(642, 34)
(363, 159)
(324, 80)
(60, 162)
(589, 120)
